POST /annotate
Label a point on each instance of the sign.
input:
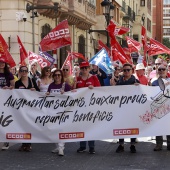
(87, 114)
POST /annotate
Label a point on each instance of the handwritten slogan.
(100, 113)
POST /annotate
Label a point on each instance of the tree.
(166, 42)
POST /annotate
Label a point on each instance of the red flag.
(114, 30)
(118, 53)
(133, 45)
(41, 60)
(127, 52)
(144, 42)
(102, 45)
(156, 48)
(57, 38)
(76, 55)
(23, 52)
(68, 62)
(4, 53)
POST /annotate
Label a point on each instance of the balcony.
(129, 14)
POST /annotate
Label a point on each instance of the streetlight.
(108, 12)
(34, 14)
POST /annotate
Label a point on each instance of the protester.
(162, 72)
(86, 80)
(76, 71)
(140, 74)
(67, 77)
(25, 82)
(148, 70)
(101, 75)
(58, 87)
(168, 74)
(45, 79)
(13, 70)
(34, 73)
(126, 79)
(6, 82)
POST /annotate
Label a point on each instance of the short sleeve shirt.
(5, 79)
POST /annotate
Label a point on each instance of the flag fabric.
(68, 62)
(133, 45)
(118, 53)
(114, 30)
(127, 52)
(102, 45)
(47, 57)
(23, 52)
(4, 53)
(57, 38)
(144, 42)
(41, 60)
(76, 55)
(156, 48)
(103, 61)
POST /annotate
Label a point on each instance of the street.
(41, 158)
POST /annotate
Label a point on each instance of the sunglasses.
(57, 75)
(48, 71)
(157, 64)
(82, 68)
(126, 70)
(23, 71)
(161, 69)
(65, 69)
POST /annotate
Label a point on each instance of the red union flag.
(4, 53)
(57, 38)
(23, 52)
(76, 55)
(42, 61)
(118, 53)
(133, 45)
(156, 48)
(68, 62)
(102, 45)
(114, 30)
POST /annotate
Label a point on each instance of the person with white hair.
(34, 73)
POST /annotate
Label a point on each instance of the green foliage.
(166, 42)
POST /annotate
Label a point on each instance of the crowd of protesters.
(54, 80)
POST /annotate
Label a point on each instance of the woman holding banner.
(58, 87)
(86, 80)
(45, 79)
(25, 83)
(6, 82)
(126, 79)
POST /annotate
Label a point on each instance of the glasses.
(161, 69)
(82, 68)
(33, 65)
(57, 75)
(65, 69)
(23, 71)
(48, 71)
(157, 64)
(126, 70)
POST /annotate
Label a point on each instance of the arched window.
(45, 30)
(81, 45)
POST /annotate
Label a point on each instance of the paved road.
(105, 158)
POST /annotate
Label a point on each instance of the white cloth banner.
(100, 113)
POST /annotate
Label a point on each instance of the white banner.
(100, 113)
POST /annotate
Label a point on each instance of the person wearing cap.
(162, 72)
(101, 75)
(34, 73)
(86, 80)
(6, 82)
(139, 75)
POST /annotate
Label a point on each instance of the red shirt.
(93, 80)
(143, 79)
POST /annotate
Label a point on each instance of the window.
(142, 2)
(81, 45)
(80, 1)
(45, 30)
(148, 24)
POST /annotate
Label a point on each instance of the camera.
(24, 17)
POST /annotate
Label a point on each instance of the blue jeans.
(90, 143)
(121, 141)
